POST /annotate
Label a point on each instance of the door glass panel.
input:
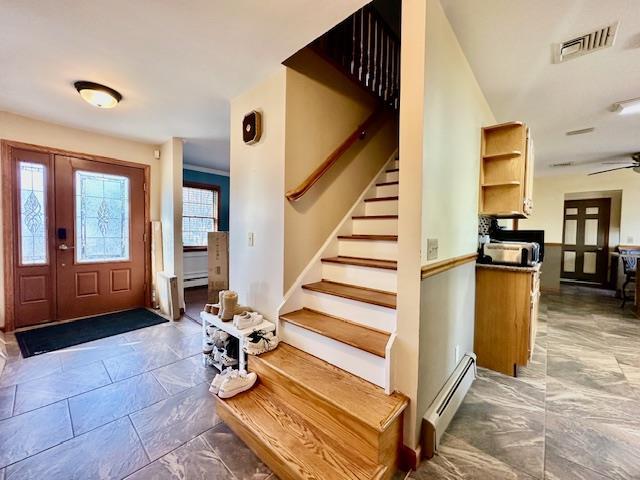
(589, 262)
(569, 262)
(102, 217)
(592, 210)
(570, 232)
(591, 231)
(33, 214)
(571, 211)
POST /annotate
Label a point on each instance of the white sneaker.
(219, 337)
(225, 360)
(207, 347)
(211, 330)
(260, 342)
(219, 378)
(234, 385)
(252, 319)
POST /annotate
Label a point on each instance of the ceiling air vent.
(587, 43)
(561, 164)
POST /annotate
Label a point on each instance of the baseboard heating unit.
(444, 407)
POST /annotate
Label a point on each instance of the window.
(200, 212)
(102, 217)
(33, 218)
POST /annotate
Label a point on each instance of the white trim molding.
(197, 168)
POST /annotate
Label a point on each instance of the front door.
(79, 237)
(586, 240)
(99, 237)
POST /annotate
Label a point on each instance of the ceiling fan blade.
(612, 170)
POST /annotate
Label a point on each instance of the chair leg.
(624, 293)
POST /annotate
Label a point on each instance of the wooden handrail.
(358, 134)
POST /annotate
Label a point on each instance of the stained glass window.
(102, 217)
(199, 215)
(33, 214)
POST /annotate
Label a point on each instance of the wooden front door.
(100, 236)
(78, 238)
(585, 244)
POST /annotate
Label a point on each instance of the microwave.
(523, 254)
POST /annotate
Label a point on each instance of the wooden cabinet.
(506, 171)
(507, 300)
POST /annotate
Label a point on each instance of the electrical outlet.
(457, 354)
(251, 239)
(432, 248)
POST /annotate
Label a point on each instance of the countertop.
(510, 268)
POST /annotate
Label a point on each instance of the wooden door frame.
(6, 148)
(606, 201)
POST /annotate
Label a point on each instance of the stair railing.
(367, 50)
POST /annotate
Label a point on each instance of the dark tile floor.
(573, 413)
(131, 406)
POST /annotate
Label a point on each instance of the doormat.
(56, 337)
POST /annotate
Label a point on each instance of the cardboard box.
(218, 252)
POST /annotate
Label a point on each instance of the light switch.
(432, 248)
(251, 238)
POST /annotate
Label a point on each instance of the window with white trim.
(200, 213)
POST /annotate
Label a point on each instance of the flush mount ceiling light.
(627, 107)
(98, 95)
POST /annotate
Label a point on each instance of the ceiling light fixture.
(627, 107)
(98, 95)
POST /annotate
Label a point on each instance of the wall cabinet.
(507, 300)
(506, 171)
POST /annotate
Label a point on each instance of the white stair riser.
(383, 250)
(377, 278)
(386, 207)
(390, 177)
(394, 164)
(374, 316)
(379, 226)
(358, 362)
(387, 191)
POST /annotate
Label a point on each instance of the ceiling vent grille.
(562, 164)
(589, 42)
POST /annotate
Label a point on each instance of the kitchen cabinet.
(506, 171)
(507, 299)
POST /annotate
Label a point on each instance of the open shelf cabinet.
(506, 171)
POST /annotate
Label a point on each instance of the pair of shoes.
(247, 320)
(211, 330)
(207, 347)
(219, 338)
(221, 357)
(260, 342)
(232, 382)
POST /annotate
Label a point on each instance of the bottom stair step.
(290, 446)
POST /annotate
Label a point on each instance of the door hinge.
(144, 186)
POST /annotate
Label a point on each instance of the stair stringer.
(339, 354)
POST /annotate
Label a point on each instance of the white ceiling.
(176, 62)
(508, 44)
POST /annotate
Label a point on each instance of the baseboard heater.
(445, 406)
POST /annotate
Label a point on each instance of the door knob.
(64, 247)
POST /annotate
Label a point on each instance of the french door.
(585, 246)
(78, 237)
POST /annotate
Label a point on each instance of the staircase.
(320, 410)
(343, 308)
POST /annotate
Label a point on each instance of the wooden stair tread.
(363, 262)
(358, 336)
(291, 446)
(375, 217)
(390, 238)
(352, 292)
(382, 184)
(380, 199)
(353, 395)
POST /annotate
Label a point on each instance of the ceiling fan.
(635, 164)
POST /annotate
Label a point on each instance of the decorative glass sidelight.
(33, 214)
(102, 217)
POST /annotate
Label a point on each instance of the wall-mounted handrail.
(358, 134)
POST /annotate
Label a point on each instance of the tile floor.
(573, 413)
(134, 405)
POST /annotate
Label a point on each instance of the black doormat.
(55, 337)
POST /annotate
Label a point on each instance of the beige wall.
(322, 108)
(257, 198)
(450, 117)
(549, 195)
(27, 130)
